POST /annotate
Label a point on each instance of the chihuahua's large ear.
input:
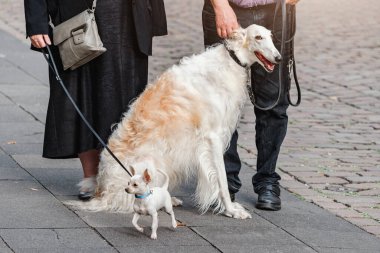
(240, 35)
(146, 176)
(132, 170)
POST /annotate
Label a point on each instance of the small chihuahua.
(149, 201)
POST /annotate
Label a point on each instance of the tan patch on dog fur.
(156, 114)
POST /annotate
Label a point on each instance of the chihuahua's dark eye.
(134, 185)
(258, 37)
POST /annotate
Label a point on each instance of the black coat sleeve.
(36, 17)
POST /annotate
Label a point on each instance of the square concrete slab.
(55, 240)
(23, 148)
(3, 247)
(169, 249)
(336, 239)
(266, 248)
(122, 220)
(57, 180)
(37, 161)
(26, 204)
(21, 132)
(13, 113)
(10, 170)
(246, 236)
(128, 236)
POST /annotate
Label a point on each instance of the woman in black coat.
(104, 87)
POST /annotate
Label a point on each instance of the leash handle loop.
(50, 60)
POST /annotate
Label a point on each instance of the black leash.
(291, 64)
(50, 60)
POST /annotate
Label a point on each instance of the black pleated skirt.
(103, 88)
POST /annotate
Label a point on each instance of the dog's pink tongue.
(267, 64)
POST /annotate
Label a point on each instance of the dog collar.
(234, 57)
(145, 195)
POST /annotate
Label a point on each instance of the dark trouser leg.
(271, 126)
(231, 156)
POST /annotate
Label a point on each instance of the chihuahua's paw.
(140, 229)
(176, 201)
(153, 236)
(238, 214)
(174, 224)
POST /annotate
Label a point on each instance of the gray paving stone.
(118, 220)
(37, 161)
(336, 239)
(23, 148)
(21, 132)
(30, 62)
(125, 237)
(10, 170)
(343, 250)
(55, 240)
(265, 248)
(57, 180)
(169, 249)
(4, 100)
(190, 215)
(246, 236)
(296, 213)
(3, 247)
(14, 174)
(26, 204)
(13, 113)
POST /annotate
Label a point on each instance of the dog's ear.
(132, 170)
(240, 35)
(146, 176)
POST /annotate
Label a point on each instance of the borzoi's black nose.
(278, 59)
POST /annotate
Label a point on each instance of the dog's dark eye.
(258, 37)
(134, 185)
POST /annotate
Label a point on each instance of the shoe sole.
(268, 206)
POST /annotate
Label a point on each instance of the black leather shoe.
(85, 196)
(269, 198)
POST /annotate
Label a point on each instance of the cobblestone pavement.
(331, 155)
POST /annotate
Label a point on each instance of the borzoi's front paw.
(238, 213)
(176, 201)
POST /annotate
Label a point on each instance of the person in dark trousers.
(104, 87)
(220, 18)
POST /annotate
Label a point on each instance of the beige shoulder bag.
(78, 39)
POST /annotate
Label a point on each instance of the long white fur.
(199, 102)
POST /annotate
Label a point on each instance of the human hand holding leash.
(40, 40)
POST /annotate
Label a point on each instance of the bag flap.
(64, 30)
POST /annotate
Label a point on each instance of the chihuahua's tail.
(166, 182)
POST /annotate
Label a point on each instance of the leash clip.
(290, 66)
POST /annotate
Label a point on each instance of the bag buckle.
(78, 36)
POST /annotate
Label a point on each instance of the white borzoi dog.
(183, 122)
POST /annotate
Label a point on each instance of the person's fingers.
(219, 32)
(229, 31)
(41, 41)
(47, 39)
(224, 33)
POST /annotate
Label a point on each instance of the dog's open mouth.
(269, 66)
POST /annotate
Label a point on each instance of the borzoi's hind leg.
(230, 208)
